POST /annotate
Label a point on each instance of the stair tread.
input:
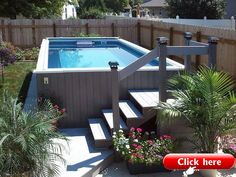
(129, 110)
(146, 98)
(99, 129)
(108, 115)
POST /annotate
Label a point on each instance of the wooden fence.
(28, 33)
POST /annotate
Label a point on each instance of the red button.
(200, 161)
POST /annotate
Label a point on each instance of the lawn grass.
(14, 76)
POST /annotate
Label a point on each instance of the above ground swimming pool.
(92, 53)
(74, 73)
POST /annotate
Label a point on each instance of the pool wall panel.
(85, 94)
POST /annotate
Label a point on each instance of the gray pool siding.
(85, 94)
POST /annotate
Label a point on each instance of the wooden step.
(101, 135)
(129, 110)
(130, 113)
(108, 115)
(145, 98)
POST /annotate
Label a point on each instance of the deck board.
(146, 98)
(99, 129)
(129, 110)
(108, 115)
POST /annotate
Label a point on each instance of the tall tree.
(116, 5)
(87, 4)
(135, 2)
(212, 9)
(31, 8)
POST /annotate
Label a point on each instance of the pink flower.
(139, 130)
(141, 156)
(132, 129)
(56, 106)
(139, 147)
(150, 142)
(131, 134)
(134, 145)
(166, 137)
(63, 110)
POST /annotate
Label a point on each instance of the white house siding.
(68, 12)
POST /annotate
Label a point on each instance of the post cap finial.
(162, 40)
(113, 64)
(213, 40)
(188, 35)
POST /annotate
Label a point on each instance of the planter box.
(143, 168)
(208, 173)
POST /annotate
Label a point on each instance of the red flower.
(135, 145)
(141, 156)
(139, 130)
(63, 110)
(130, 134)
(56, 106)
(132, 129)
(139, 147)
(166, 137)
(150, 142)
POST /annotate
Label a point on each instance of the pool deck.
(82, 159)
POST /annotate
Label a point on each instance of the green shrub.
(86, 35)
(27, 140)
(27, 54)
(207, 101)
(92, 13)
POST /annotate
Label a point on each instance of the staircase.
(133, 113)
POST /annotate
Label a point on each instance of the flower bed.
(143, 151)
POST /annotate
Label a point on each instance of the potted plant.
(143, 151)
(27, 141)
(207, 101)
(229, 146)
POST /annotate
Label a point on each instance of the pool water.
(93, 57)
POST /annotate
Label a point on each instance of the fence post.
(151, 36)
(33, 32)
(187, 59)
(3, 30)
(115, 94)
(113, 29)
(9, 31)
(162, 42)
(171, 42)
(198, 57)
(212, 41)
(54, 30)
(139, 33)
(87, 28)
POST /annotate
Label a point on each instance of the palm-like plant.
(206, 99)
(27, 140)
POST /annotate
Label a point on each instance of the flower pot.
(208, 173)
(117, 157)
(143, 168)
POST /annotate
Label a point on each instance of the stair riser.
(136, 104)
(102, 144)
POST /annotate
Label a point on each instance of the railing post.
(115, 94)
(212, 41)
(162, 42)
(187, 59)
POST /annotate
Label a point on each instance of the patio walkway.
(120, 170)
(82, 159)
